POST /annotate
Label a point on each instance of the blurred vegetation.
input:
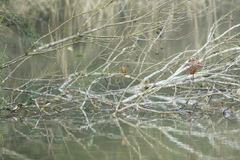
(20, 24)
(13, 22)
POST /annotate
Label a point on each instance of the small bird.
(124, 70)
(16, 107)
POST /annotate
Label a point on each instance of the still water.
(63, 131)
(106, 137)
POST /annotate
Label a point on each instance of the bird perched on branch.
(15, 107)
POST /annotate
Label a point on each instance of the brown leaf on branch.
(193, 66)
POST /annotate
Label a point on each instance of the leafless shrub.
(128, 38)
(125, 85)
